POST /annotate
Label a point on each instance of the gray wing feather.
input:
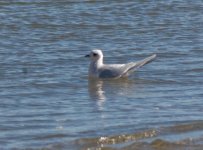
(112, 71)
(107, 73)
(122, 70)
(135, 65)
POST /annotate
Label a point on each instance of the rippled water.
(47, 100)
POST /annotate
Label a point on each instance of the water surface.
(47, 100)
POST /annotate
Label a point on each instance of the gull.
(97, 69)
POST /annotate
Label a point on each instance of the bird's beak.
(87, 55)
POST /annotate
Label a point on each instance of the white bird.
(100, 70)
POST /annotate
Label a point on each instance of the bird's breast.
(93, 70)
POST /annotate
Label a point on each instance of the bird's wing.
(122, 70)
(131, 67)
(112, 71)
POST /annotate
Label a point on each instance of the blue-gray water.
(47, 101)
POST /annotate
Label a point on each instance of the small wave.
(179, 136)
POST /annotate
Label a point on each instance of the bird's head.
(95, 55)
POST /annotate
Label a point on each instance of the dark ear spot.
(94, 54)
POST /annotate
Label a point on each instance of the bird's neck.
(98, 63)
(94, 67)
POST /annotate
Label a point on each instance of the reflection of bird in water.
(96, 89)
(99, 70)
(96, 92)
(103, 89)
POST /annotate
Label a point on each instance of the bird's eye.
(94, 54)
